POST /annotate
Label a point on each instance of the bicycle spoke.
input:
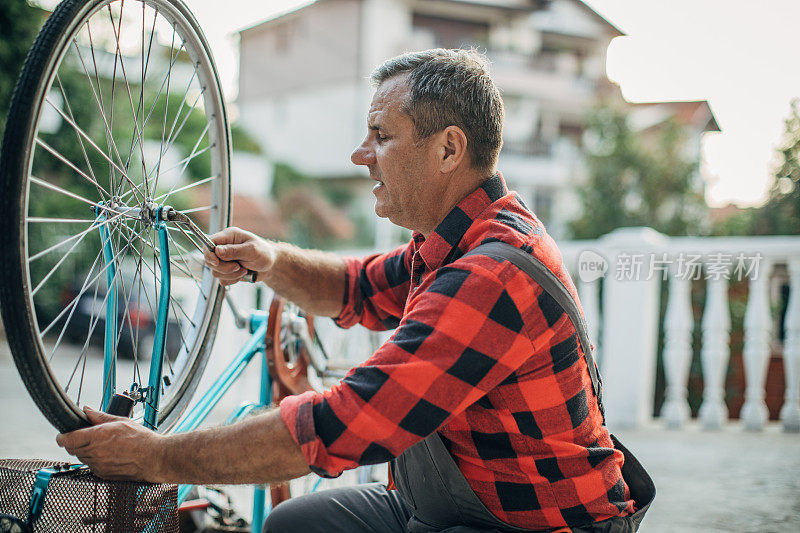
(138, 274)
(173, 59)
(184, 163)
(200, 247)
(201, 208)
(141, 258)
(91, 142)
(58, 155)
(83, 201)
(157, 267)
(70, 307)
(112, 369)
(153, 105)
(80, 141)
(83, 352)
(192, 185)
(126, 314)
(172, 300)
(174, 136)
(194, 256)
(60, 220)
(69, 239)
(93, 320)
(140, 106)
(157, 276)
(157, 253)
(128, 87)
(164, 122)
(58, 264)
(80, 293)
(56, 188)
(180, 330)
(109, 138)
(100, 105)
(181, 250)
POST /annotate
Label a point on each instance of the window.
(543, 204)
(453, 33)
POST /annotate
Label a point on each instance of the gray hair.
(452, 88)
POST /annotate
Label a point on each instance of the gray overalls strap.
(431, 483)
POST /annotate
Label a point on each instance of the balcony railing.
(631, 264)
(532, 147)
(621, 278)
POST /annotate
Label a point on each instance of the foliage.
(286, 177)
(637, 181)
(316, 213)
(780, 215)
(243, 141)
(738, 223)
(85, 98)
(19, 24)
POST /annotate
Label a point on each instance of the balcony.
(550, 76)
(635, 266)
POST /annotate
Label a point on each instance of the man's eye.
(382, 138)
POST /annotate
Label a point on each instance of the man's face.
(405, 171)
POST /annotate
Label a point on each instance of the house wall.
(304, 89)
(315, 46)
(314, 129)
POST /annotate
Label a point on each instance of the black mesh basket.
(78, 501)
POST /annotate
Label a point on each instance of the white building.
(304, 83)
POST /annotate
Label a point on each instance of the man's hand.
(115, 447)
(237, 251)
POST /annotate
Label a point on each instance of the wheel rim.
(288, 361)
(129, 144)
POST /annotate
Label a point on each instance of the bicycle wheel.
(118, 106)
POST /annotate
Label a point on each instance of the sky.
(740, 55)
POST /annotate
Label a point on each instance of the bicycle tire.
(20, 308)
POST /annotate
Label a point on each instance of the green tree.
(636, 180)
(19, 24)
(780, 215)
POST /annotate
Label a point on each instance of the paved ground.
(727, 481)
(731, 481)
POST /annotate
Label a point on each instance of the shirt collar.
(438, 249)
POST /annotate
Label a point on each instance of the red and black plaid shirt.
(483, 356)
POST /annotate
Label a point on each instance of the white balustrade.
(589, 293)
(714, 356)
(631, 299)
(628, 322)
(757, 333)
(677, 355)
(790, 412)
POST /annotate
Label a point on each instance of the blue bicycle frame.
(194, 417)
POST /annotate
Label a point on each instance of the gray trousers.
(371, 508)
(366, 508)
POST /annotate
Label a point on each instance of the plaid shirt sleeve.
(376, 290)
(462, 334)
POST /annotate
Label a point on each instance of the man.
(483, 361)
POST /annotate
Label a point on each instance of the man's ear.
(454, 144)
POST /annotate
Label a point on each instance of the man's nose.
(363, 155)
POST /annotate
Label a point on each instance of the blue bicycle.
(115, 167)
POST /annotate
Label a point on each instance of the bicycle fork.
(157, 358)
(152, 393)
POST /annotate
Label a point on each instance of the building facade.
(304, 84)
